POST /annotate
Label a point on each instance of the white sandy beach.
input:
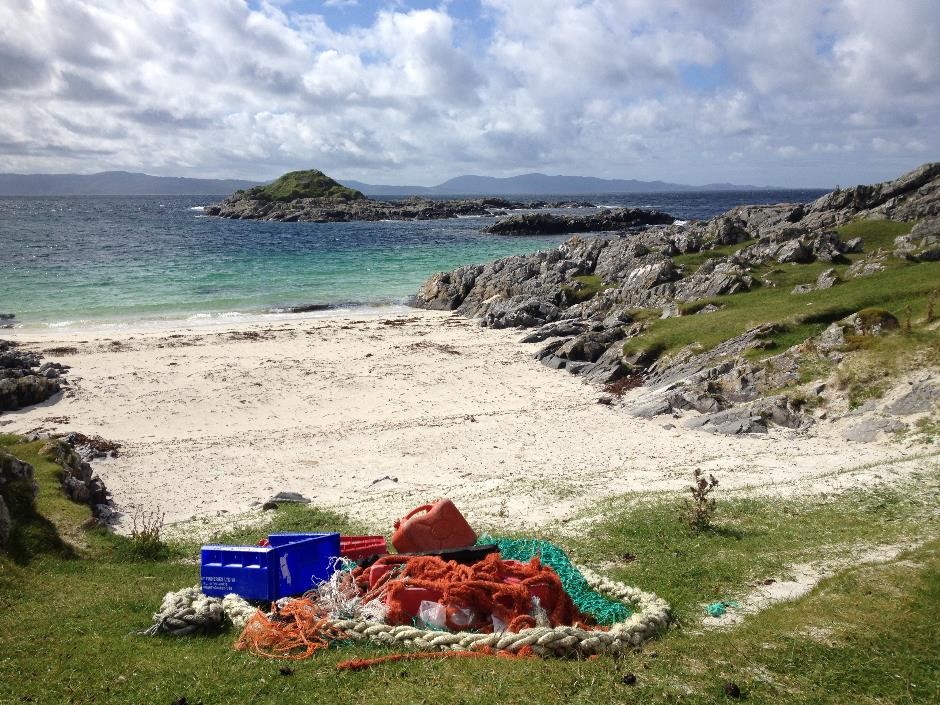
(214, 421)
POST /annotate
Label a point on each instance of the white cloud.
(631, 88)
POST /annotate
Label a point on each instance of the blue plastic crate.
(321, 559)
(268, 572)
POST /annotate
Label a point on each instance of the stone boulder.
(921, 244)
(17, 392)
(18, 490)
(79, 483)
(731, 422)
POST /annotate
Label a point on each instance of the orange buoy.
(432, 527)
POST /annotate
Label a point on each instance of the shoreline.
(208, 321)
(373, 415)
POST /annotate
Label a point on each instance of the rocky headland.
(311, 196)
(732, 317)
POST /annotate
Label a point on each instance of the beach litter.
(462, 596)
(718, 609)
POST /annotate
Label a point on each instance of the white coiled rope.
(188, 610)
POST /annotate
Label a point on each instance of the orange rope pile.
(491, 588)
(295, 631)
(481, 588)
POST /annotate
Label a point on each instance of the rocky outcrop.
(583, 297)
(79, 483)
(17, 492)
(244, 205)
(557, 224)
(24, 380)
(921, 244)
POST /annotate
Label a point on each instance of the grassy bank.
(868, 634)
(903, 286)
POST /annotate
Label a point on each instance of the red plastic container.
(412, 597)
(377, 572)
(356, 547)
(433, 527)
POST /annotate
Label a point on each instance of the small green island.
(308, 183)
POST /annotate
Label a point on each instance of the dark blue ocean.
(115, 261)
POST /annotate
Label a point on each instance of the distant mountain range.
(124, 183)
(115, 183)
(535, 184)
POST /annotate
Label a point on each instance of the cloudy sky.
(782, 92)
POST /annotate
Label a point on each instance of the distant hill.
(535, 184)
(115, 183)
(125, 183)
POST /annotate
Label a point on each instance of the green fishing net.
(605, 611)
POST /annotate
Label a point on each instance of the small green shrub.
(700, 510)
(146, 542)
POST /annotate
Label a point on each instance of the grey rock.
(549, 349)
(245, 205)
(867, 266)
(20, 383)
(922, 243)
(519, 312)
(556, 224)
(576, 368)
(802, 289)
(561, 329)
(289, 497)
(924, 396)
(608, 368)
(731, 422)
(777, 410)
(710, 308)
(827, 279)
(589, 346)
(75, 489)
(793, 251)
(648, 411)
(555, 362)
(854, 246)
(13, 472)
(869, 429)
(831, 339)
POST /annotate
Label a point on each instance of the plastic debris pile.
(444, 591)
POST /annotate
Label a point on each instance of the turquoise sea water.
(85, 261)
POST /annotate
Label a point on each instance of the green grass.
(799, 317)
(752, 539)
(586, 287)
(875, 234)
(691, 261)
(304, 184)
(867, 635)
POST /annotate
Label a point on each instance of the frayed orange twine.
(294, 631)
